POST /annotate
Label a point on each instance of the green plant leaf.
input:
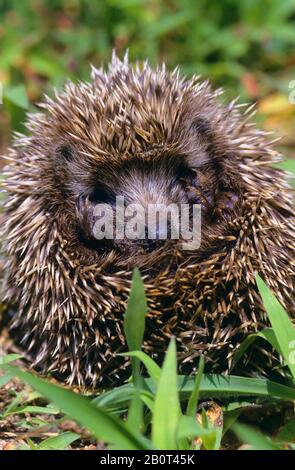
(151, 366)
(115, 398)
(229, 386)
(253, 437)
(14, 403)
(134, 321)
(193, 400)
(58, 442)
(101, 424)
(211, 440)
(287, 432)
(17, 95)
(31, 409)
(134, 325)
(188, 427)
(267, 334)
(135, 411)
(29, 446)
(4, 379)
(9, 358)
(218, 436)
(288, 165)
(212, 386)
(166, 407)
(230, 417)
(281, 324)
(147, 399)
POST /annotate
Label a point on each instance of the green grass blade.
(135, 411)
(230, 417)
(218, 436)
(4, 379)
(228, 386)
(189, 427)
(166, 407)
(212, 386)
(287, 165)
(211, 440)
(9, 358)
(148, 400)
(280, 322)
(18, 96)
(194, 398)
(287, 432)
(31, 409)
(13, 405)
(153, 369)
(134, 322)
(29, 446)
(267, 334)
(254, 438)
(59, 442)
(114, 398)
(134, 325)
(101, 424)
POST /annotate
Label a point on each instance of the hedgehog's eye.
(101, 194)
(66, 153)
(185, 175)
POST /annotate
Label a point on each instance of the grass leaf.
(17, 95)
(4, 379)
(189, 427)
(134, 322)
(134, 325)
(31, 409)
(212, 386)
(288, 165)
(254, 438)
(151, 366)
(58, 442)
(193, 400)
(103, 425)
(268, 334)
(9, 358)
(287, 432)
(166, 407)
(281, 324)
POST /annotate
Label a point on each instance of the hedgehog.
(148, 135)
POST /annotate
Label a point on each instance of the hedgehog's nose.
(150, 244)
(156, 236)
(161, 232)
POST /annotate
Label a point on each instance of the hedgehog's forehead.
(125, 109)
(130, 96)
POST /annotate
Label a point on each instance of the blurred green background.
(246, 46)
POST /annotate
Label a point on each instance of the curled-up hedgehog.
(148, 136)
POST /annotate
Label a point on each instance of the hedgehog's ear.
(202, 126)
(65, 152)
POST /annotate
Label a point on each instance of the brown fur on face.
(150, 136)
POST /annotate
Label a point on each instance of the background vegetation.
(246, 46)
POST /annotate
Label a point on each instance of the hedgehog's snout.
(128, 212)
(119, 224)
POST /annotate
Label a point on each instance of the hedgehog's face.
(95, 194)
(135, 207)
(155, 145)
